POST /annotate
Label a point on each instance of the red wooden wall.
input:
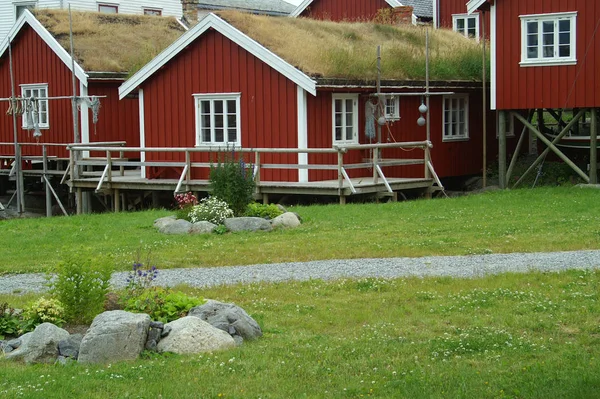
(547, 86)
(447, 8)
(35, 62)
(455, 158)
(344, 10)
(215, 64)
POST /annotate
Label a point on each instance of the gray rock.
(70, 347)
(286, 220)
(41, 346)
(15, 343)
(64, 360)
(177, 226)
(157, 324)
(161, 222)
(229, 318)
(203, 227)
(154, 334)
(191, 335)
(166, 330)
(114, 336)
(247, 224)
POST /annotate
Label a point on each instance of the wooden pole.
(427, 103)
(46, 182)
(502, 149)
(484, 74)
(515, 156)
(14, 103)
(594, 147)
(377, 115)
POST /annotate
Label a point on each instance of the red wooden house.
(544, 60)
(42, 68)
(452, 14)
(217, 86)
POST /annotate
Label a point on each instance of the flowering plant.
(211, 209)
(185, 200)
(44, 310)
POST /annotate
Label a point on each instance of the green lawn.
(544, 219)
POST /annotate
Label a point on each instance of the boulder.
(229, 318)
(69, 347)
(114, 336)
(154, 334)
(286, 220)
(161, 222)
(177, 226)
(15, 343)
(191, 335)
(41, 345)
(202, 227)
(247, 224)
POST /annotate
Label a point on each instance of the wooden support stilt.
(78, 198)
(46, 183)
(594, 147)
(502, 149)
(117, 200)
(155, 200)
(552, 147)
(342, 200)
(515, 156)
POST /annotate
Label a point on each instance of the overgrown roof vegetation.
(349, 50)
(111, 43)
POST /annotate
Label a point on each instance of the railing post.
(109, 164)
(427, 159)
(341, 176)
(375, 165)
(188, 175)
(257, 168)
(121, 168)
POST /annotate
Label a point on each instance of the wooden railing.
(79, 164)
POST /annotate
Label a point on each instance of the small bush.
(183, 205)
(81, 287)
(162, 304)
(44, 310)
(9, 321)
(231, 181)
(270, 211)
(210, 209)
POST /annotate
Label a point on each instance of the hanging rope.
(92, 103)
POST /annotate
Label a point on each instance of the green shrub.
(162, 304)
(210, 209)
(270, 211)
(232, 181)
(9, 321)
(44, 310)
(81, 287)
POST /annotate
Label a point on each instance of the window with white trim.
(20, 7)
(548, 39)
(345, 118)
(392, 108)
(39, 108)
(456, 117)
(467, 25)
(218, 119)
(152, 11)
(108, 8)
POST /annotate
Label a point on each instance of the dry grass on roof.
(349, 50)
(111, 43)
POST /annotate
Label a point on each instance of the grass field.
(534, 335)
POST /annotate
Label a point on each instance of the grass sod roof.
(109, 42)
(343, 50)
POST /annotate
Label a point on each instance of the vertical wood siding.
(344, 10)
(448, 8)
(214, 64)
(573, 86)
(450, 159)
(34, 62)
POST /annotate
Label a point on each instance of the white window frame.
(108, 5)
(343, 126)
(152, 11)
(556, 59)
(391, 110)
(26, 4)
(214, 97)
(26, 90)
(465, 18)
(455, 100)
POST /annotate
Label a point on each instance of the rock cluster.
(119, 335)
(172, 225)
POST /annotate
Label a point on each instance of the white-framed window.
(218, 119)
(345, 118)
(392, 108)
(456, 117)
(548, 39)
(152, 11)
(40, 107)
(108, 8)
(21, 6)
(467, 25)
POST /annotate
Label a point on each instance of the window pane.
(218, 120)
(219, 135)
(349, 133)
(460, 25)
(206, 135)
(564, 51)
(338, 133)
(564, 25)
(218, 107)
(231, 135)
(231, 108)
(231, 121)
(348, 119)
(532, 28)
(205, 107)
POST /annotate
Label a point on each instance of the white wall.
(8, 16)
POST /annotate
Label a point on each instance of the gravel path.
(454, 266)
